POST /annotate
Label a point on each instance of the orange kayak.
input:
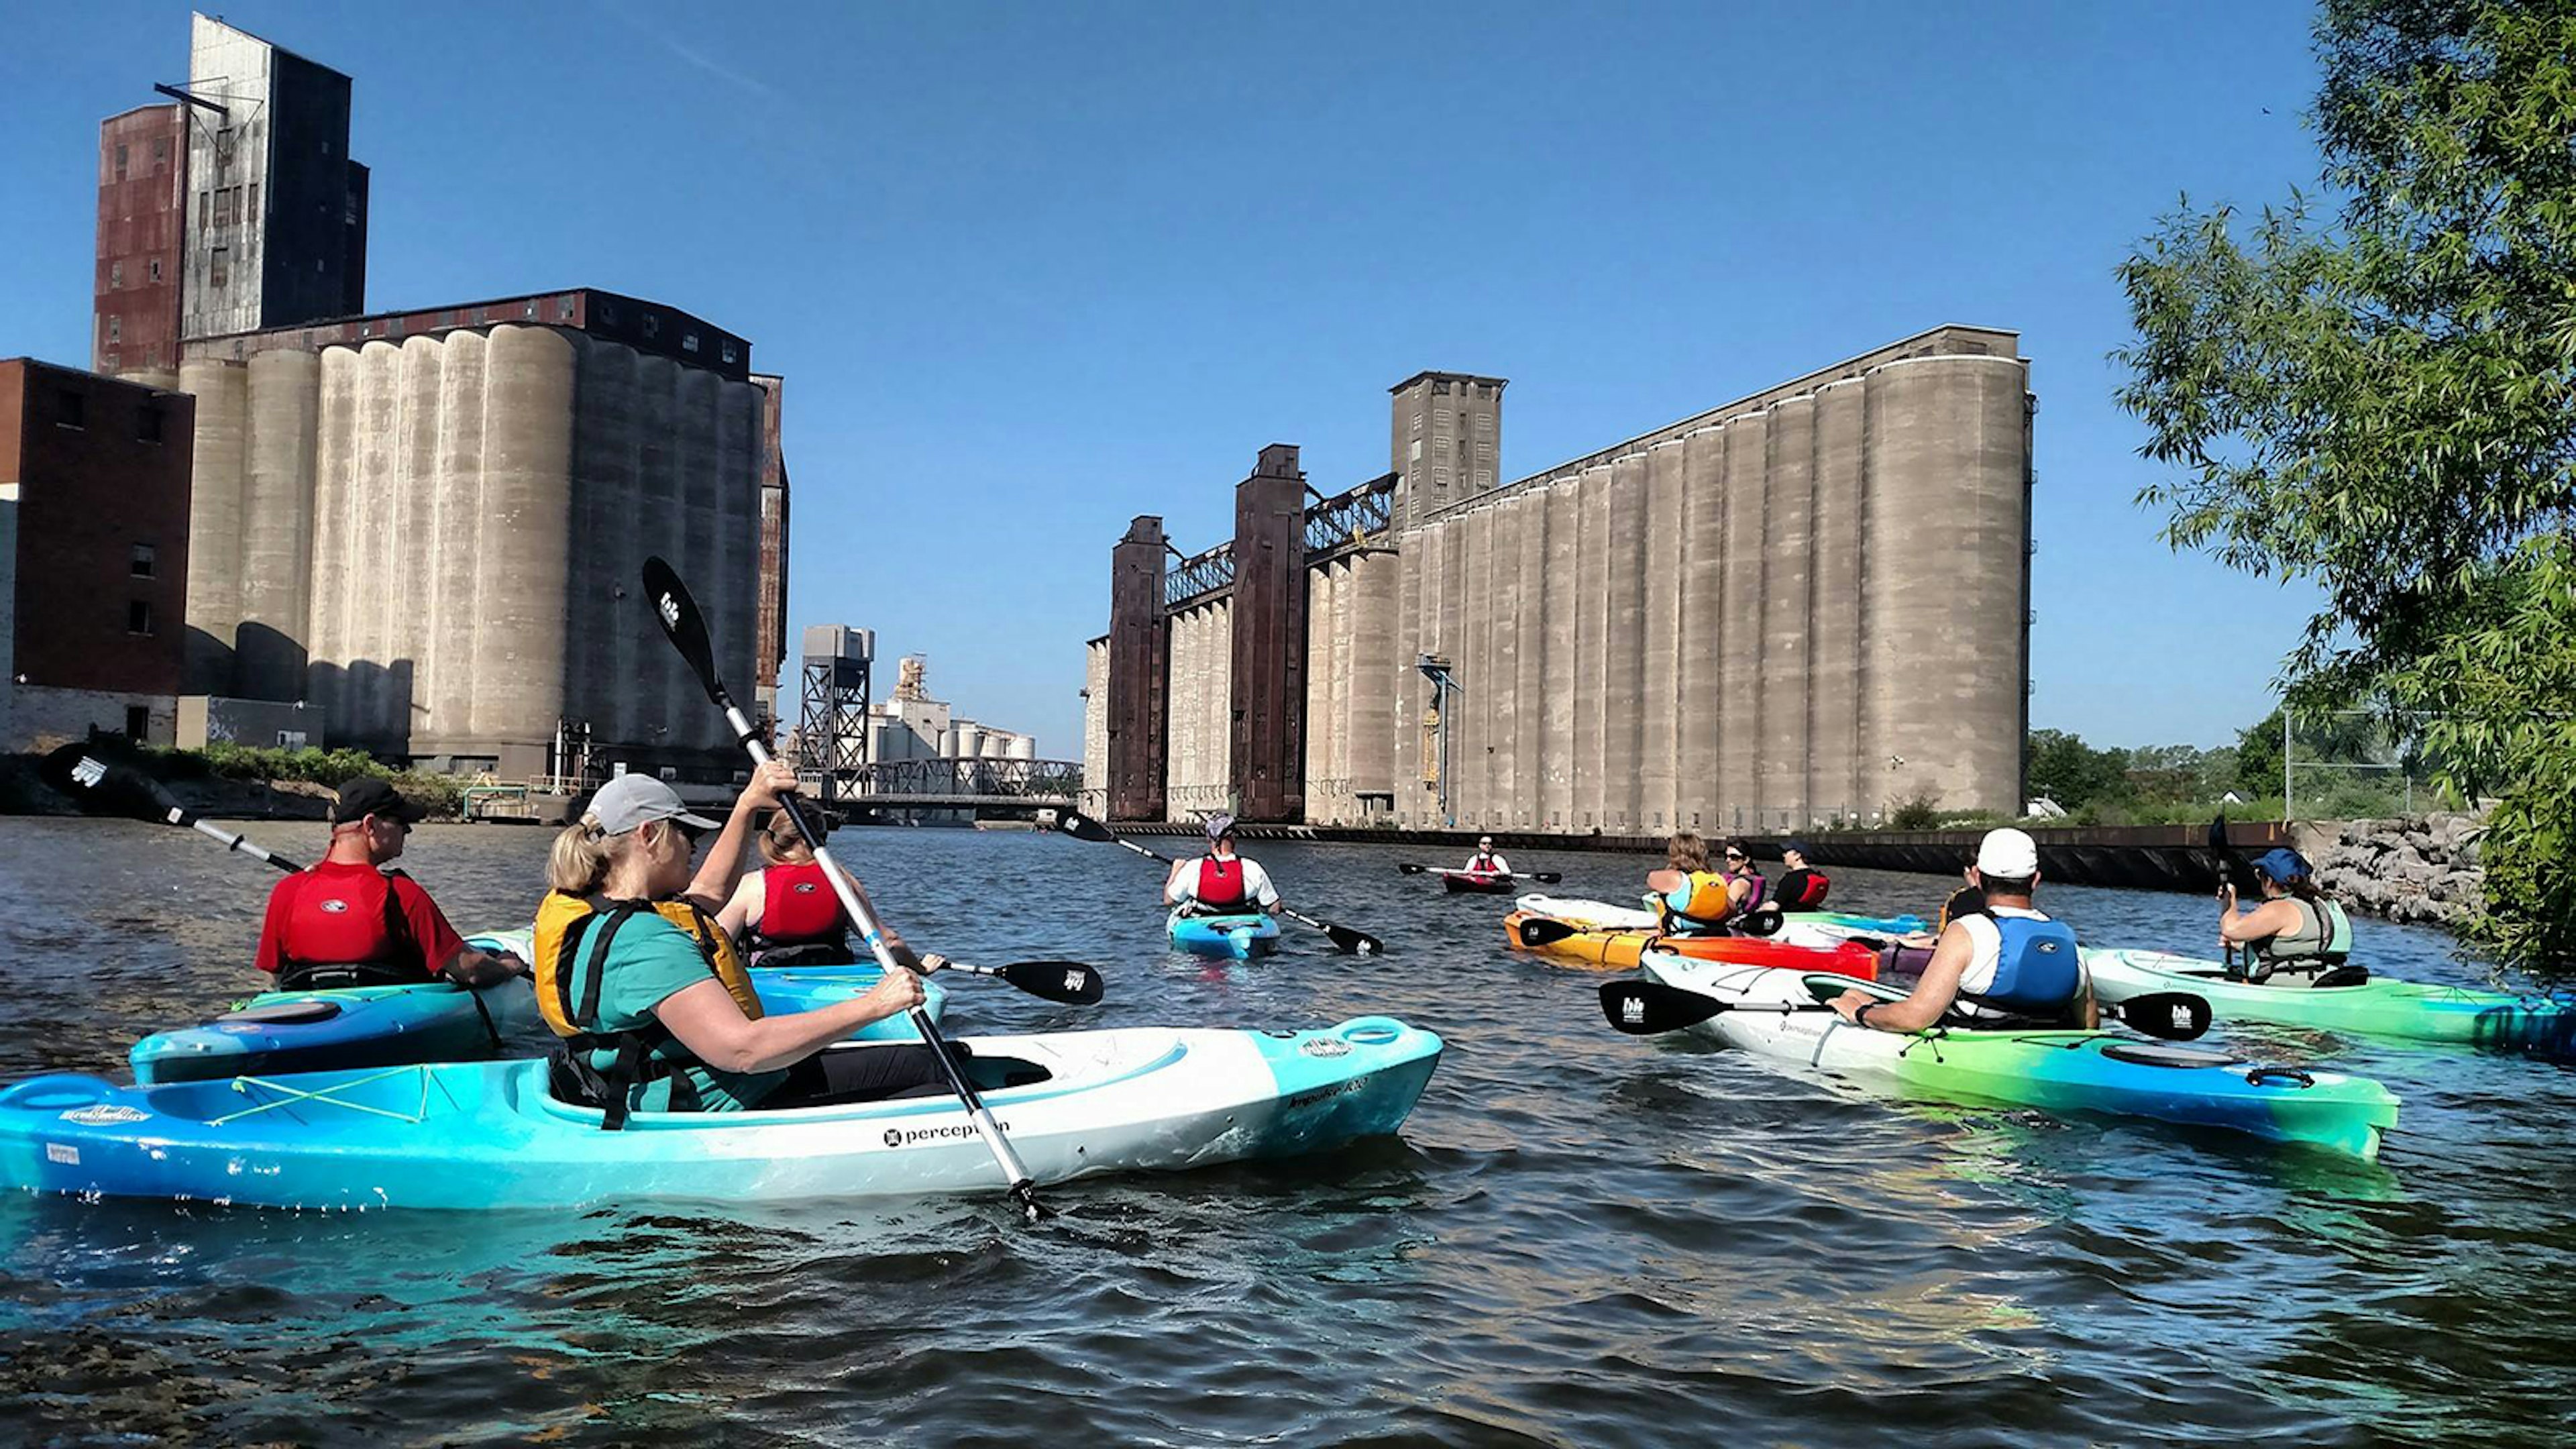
(1614, 950)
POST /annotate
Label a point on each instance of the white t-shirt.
(1256, 883)
(1987, 941)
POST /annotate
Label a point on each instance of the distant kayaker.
(2004, 964)
(348, 921)
(655, 1006)
(1693, 900)
(1485, 861)
(1220, 882)
(2296, 935)
(786, 914)
(1802, 887)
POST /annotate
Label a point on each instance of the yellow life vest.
(1708, 904)
(565, 922)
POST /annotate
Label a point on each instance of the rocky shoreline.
(216, 797)
(2421, 868)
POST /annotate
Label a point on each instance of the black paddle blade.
(1545, 877)
(2171, 1015)
(1083, 827)
(1544, 931)
(1409, 868)
(1650, 1008)
(681, 622)
(1070, 982)
(1353, 942)
(1763, 920)
(105, 779)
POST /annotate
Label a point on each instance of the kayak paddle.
(1651, 1008)
(1070, 982)
(687, 630)
(1543, 877)
(103, 778)
(1345, 939)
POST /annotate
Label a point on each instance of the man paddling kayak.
(1219, 883)
(2296, 936)
(1485, 861)
(348, 921)
(2006, 964)
(1802, 887)
(653, 1001)
(786, 914)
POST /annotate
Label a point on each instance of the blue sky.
(1032, 270)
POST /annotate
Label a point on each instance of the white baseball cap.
(2008, 853)
(630, 800)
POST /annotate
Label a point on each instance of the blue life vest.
(2038, 971)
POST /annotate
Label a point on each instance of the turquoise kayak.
(1241, 937)
(1847, 923)
(2378, 1006)
(383, 1026)
(474, 1135)
(1778, 1014)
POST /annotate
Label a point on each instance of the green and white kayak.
(1776, 1013)
(2380, 1006)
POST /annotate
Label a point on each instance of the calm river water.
(1580, 1238)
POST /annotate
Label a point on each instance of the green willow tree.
(2383, 401)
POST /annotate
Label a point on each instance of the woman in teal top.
(652, 995)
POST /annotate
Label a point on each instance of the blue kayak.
(1240, 937)
(355, 1027)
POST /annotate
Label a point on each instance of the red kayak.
(1468, 882)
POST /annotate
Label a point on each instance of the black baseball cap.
(367, 795)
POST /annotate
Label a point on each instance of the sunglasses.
(1735, 855)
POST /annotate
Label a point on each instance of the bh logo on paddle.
(669, 609)
(1632, 1010)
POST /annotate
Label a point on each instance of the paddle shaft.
(232, 842)
(678, 612)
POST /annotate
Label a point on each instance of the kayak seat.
(991, 1074)
(2346, 974)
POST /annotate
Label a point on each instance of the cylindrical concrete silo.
(456, 492)
(1095, 727)
(1470, 794)
(1833, 632)
(1340, 765)
(1624, 637)
(1592, 646)
(1703, 702)
(1565, 680)
(371, 710)
(215, 497)
(1739, 751)
(1501, 809)
(1404, 704)
(335, 466)
(518, 642)
(277, 523)
(1020, 747)
(1660, 716)
(1529, 691)
(1948, 474)
(1376, 671)
(1786, 578)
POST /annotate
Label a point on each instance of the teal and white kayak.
(2380, 1006)
(1773, 1013)
(353, 1027)
(1241, 936)
(492, 1135)
(1856, 925)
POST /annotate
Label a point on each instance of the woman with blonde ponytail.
(657, 1011)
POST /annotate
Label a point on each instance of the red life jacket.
(347, 928)
(798, 907)
(1220, 881)
(1483, 864)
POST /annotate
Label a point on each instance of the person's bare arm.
(1932, 994)
(750, 897)
(1665, 882)
(706, 1020)
(1172, 895)
(713, 883)
(2268, 919)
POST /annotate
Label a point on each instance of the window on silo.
(226, 203)
(205, 201)
(250, 205)
(689, 342)
(115, 276)
(563, 309)
(652, 324)
(138, 616)
(120, 161)
(732, 353)
(115, 327)
(219, 268)
(143, 560)
(160, 152)
(156, 269)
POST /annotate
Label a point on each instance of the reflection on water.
(1581, 1238)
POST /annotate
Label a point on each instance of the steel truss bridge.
(958, 784)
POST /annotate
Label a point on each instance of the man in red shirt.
(347, 922)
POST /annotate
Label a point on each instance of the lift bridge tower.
(832, 736)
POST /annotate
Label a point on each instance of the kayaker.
(1802, 887)
(1693, 900)
(785, 914)
(349, 921)
(1220, 882)
(652, 999)
(1485, 861)
(2006, 964)
(2296, 936)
